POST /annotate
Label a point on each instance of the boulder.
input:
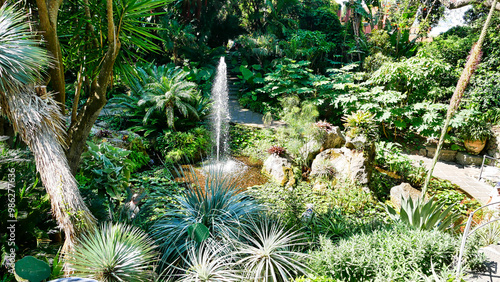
(466, 159)
(341, 163)
(102, 124)
(310, 150)
(128, 133)
(333, 139)
(359, 142)
(279, 169)
(405, 190)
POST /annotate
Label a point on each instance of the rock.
(279, 169)
(493, 145)
(446, 155)
(129, 133)
(102, 124)
(405, 190)
(343, 163)
(118, 142)
(310, 150)
(466, 159)
(359, 142)
(333, 139)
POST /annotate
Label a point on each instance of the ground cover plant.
(394, 253)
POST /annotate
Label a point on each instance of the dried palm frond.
(37, 120)
(39, 123)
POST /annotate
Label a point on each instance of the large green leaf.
(32, 269)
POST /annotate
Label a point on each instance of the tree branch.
(455, 4)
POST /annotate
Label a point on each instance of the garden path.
(465, 177)
(239, 114)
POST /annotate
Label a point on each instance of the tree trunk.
(79, 130)
(47, 13)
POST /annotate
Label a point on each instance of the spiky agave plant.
(219, 205)
(114, 252)
(265, 252)
(425, 215)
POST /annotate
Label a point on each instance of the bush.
(393, 254)
(104, 178)
(178, 147)
(266, 252)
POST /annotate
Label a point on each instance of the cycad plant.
(114, 252)
(219, 205)
(425, 215)
(167, 89)
(265, 252)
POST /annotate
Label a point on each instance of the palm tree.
(167, 89)
(38, 120)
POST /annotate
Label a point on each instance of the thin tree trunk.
(474, 59)
(47, 13)
(80, 129)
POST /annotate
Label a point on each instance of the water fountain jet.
(221, 162)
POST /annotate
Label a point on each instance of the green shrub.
(32, 203)
(389, 156)
(104, 178)
(178, 147)
(393, 254)
(159, 190)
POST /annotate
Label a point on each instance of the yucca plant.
(210, 262)
(219, 205)
(425, 215)
(38, 120)
(265, 252)
(114, 252)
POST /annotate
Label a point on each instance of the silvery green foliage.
(114, 252)
(211, 261)
(266, 252)
(218, 204)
